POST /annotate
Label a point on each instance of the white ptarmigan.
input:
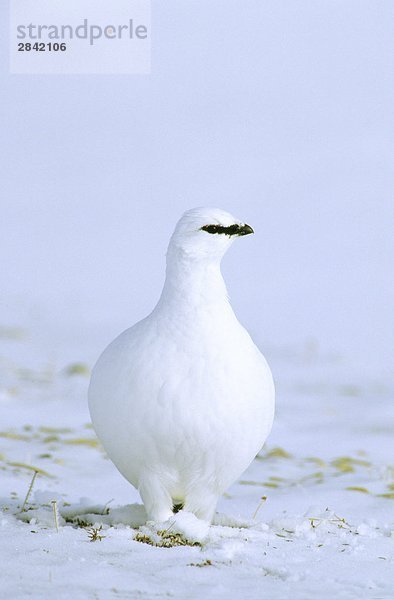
(183, 400)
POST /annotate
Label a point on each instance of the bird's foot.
(181, 526)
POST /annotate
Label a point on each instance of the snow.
(324, 527)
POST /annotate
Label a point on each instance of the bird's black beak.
(245, 230)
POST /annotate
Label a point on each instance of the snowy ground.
(323, 530)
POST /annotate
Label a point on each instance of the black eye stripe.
(230, 230)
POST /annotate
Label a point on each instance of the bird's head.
(204, 233)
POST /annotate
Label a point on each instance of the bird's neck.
(193, 285)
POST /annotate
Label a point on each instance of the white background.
(279, 111)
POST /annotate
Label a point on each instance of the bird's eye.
(211, 228)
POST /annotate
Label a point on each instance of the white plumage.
(183, 400)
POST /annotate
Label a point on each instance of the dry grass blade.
(262, 500)
(29, 490)
(19, 465)
(55, 514)
(94, 534)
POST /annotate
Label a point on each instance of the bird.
(184, 400)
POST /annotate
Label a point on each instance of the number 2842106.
(42, 47)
